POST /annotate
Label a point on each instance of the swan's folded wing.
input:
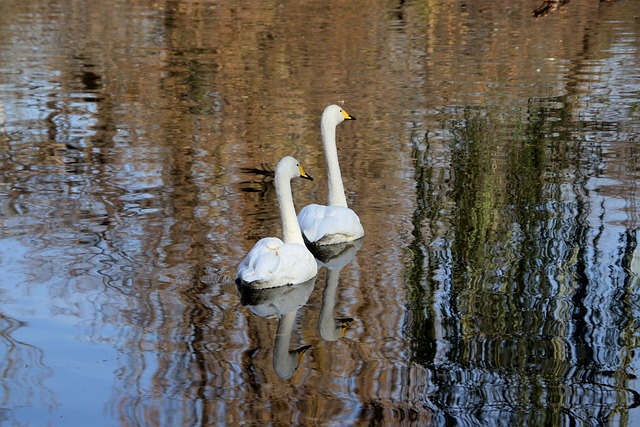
(318, 222)
(297, 264)
(274, 263)
(310, 220)
(261, 261)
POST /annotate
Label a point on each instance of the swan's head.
(335, 114)
(289, 168)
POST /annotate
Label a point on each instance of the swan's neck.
(290, 229)
(336, 189)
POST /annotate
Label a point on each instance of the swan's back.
(271, 263)
(328, 225)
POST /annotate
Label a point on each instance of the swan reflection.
(334, 258)
(283, 302)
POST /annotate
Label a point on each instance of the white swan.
(335, 223)
(273, 262)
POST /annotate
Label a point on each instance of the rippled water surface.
(494, 163)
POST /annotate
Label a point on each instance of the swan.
(273, 262)
(335, 223)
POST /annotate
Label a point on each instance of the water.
(493, 162)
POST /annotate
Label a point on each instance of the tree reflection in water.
(533, 317)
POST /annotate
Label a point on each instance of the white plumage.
(335, 223)
(273, 262)
(327, 225)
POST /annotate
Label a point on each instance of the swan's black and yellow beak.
(344, 324)
(303, 174)
(301, 351)
(347, 116)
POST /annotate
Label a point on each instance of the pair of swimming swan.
(273, 262)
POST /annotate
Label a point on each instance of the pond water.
(494, 163)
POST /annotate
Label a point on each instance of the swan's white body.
(335, 223)
(273, 262)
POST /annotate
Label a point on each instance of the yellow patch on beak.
(347, 116)
(303, 174)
